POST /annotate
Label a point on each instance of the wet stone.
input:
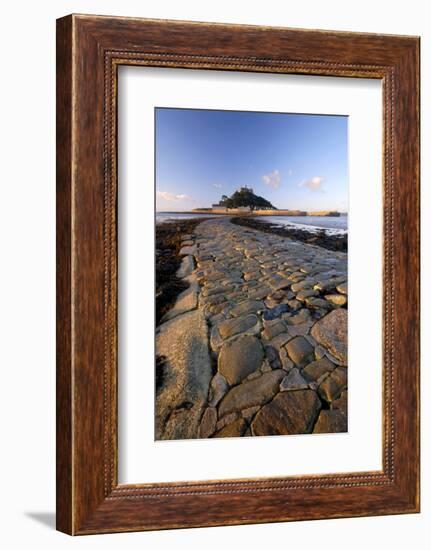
(332, 421)
(331, 388)
(303, 294)
(246, 307)
(331, 332)
(273, 330)
(313, 371)
(300, 351)
(236, 429)
(188, 250)
(248, 414)
(299, 330)
(336, 299)
(293, 381)
(340, 403)
(208, 423)
(218, 388)
(259, 293)
(227, 419)
(251, 393)
(275, 312)
(236, 326)
(280, 340)
(286, 363)
(240, 357)
(290, 412)
(302, 316)
(342, 289)
(317, 303)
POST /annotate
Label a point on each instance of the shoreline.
(318, 237)
(169, 237)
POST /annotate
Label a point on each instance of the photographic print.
(251, 273)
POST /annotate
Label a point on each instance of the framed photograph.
(237, 274)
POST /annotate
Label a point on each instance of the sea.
(332, 225)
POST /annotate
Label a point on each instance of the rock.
(211, 290)
(240, 357)
(303, 294)
(313, 371)
(251, 393)
(273, 330)
(293, 381)
(290, 412)
(334, 360)
(186, 301)
(299, 330)
(332, 421)
(266, 366)
(341, 403)
(218, 388)
(183, 342)
(236, 429)
(215, 339)
(342, 289)
(334, 384)
(280, 340)
(251, 275)
(278, 295)
(275, 312)
(319, 352)
(257, 373)
(227, 419)
(303, 285)
(300, 351)
(331, 332)
(336, 299)
(208, 422)
(259, 293)
(312, 341)
(329, 284)
(186, 267)
(299, 318)
(249, 306)
(286, 362)
(231, 327)
(248, 414)
(277, 282)
(317, 303)
(183, 422)
(188, 250)
(294, 304)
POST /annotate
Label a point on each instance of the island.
(244, 202)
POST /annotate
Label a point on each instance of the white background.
(143, 460)
(27, 122)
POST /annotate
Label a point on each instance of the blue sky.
(293, 160)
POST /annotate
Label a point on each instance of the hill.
(245, 197)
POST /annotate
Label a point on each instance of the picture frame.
(89, 51)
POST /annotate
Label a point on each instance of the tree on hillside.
(246, 197)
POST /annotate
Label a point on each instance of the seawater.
(335, 225)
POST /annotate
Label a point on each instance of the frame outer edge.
(81, 508)
(64, 367)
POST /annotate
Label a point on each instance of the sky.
(295, 161)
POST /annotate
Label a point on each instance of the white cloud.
(313, 184)
(171, 197)
(217, 185)
(272, 179)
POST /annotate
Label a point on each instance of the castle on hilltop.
(245, 189)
